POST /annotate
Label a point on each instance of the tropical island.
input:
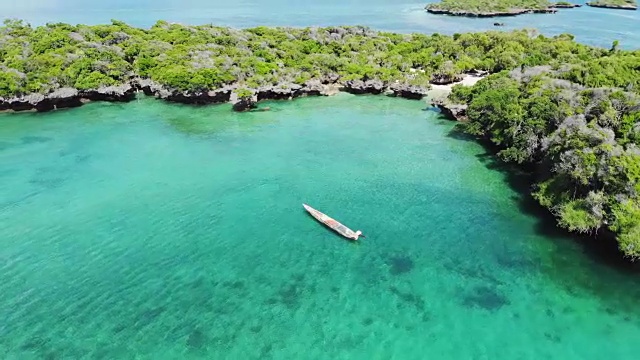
(567, 113)
(495, 8)
(565, 5)
(614, 4)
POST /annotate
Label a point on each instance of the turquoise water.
(156, 231)
(598, 27)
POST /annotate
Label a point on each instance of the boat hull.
(331, 223)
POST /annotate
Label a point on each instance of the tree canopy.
(194, 58)
(625, 4)
(489, 6)
(579, 134)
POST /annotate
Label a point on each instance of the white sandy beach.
(444, 90)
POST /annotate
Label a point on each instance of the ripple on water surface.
(170, 231)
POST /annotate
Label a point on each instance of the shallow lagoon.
(171, 231)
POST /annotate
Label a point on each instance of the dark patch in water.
(34, 139)
(5, 145)
(474, 272)
(552, 337)
(227, 338)
(79, 159)
(297, 277)
(515, 262)
(52, 355)
(270, 301)
(486, 298)
(610, 311)
(400, 265)
(335, 290)
(290, 293)
(197, 340)
(35, 343)
(416, 300)
(47, 183)
(550, 313)
(235, 285)
(196, 284)
(571, 290)
(147, 317)
(567, 310)
(119, 328)
(266, 351)
(367, 321)
(256, 329)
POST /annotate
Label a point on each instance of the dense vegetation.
(614, 3)
(579, 128)
(489, 6)
(567, 110)
(197, 58)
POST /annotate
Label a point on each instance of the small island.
(565, 5)
(495, 8)
(614, 4)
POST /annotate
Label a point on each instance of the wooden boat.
(333, 224)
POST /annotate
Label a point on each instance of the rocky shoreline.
(456, 112)
(513, 12)
(452, 111)
(69, 97)
(609, 6)
(565, 6)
